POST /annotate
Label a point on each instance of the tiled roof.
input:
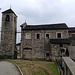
(60, 41)
(9, 11)
(23, 25)
(45, 26)
(72, 29)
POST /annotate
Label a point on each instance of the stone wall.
(8, 35)
(41, 48)
(56, 50)
(72, 52)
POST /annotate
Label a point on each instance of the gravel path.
(7, 68)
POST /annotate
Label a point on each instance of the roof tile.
(45, 26)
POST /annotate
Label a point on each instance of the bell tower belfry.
(8, 33)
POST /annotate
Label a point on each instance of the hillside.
(37, 67)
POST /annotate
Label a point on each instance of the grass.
(53, 68)
(40, 71)
(36, 67)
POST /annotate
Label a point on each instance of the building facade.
(44, 41)
(37, 41)
(8, 34)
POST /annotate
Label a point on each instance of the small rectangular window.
(58, 35)
(47, 54)
(38, 36)
(61, 45)
(73, 35)
(47, 35)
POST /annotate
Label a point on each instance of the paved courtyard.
(7, 68)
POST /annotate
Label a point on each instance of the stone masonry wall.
(72, 52)
(39, 46)
(8, 35)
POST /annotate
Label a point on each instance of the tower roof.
(9, 11)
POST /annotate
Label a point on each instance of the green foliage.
(32, 58)
(18, 54)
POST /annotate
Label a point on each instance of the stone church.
(8, 34)
(45, 41)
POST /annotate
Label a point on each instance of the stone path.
(7, 68)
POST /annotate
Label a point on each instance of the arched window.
(7, 18)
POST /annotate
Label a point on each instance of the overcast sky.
(41, 11)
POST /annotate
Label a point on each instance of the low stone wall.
(71, 52)
(68, 66)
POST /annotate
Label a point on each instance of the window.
(28, 35)
(14, 19)
(73, 35)
(61, 45)
(7, 18)
(47, 35)
(38, 36)
(47, 54)
(58, 35)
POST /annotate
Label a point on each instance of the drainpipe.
(21, 43)
(44, 44)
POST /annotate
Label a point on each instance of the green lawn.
(36, 67)
(40, 71)
(53, 68)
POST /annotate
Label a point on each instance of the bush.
(32, 58)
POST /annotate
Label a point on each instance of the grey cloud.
(41, 11)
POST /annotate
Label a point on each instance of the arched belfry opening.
(7, 18)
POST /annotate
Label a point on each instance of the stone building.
(37, 41)
(8, 34)
(44, 41)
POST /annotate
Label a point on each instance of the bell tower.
(8, 33)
